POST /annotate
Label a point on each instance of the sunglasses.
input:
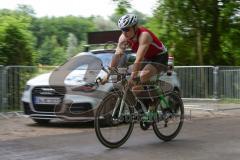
(125, 29)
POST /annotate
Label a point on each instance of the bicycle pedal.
(167, 115)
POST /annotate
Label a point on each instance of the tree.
(51, 53)
(198, 29)
(16, 49)
(122, 7)
(62, 26)
(16, 41)
(26, 9)
(72, 47)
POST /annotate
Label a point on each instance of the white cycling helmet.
(127, 20)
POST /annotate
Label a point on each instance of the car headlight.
(27, 87)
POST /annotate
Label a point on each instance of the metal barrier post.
(16, 77)
(1, 87)
(229, 87)
(215, 82)
(4, 90)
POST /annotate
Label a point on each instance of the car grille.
(47, 91)
(80, 107)
(78, 110)
(45, 108)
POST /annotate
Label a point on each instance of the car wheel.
(41, 121)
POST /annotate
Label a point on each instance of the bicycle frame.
(116, 121)
(121, 101)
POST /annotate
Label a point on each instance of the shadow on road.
(62, 124)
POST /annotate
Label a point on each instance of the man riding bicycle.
(151, 53)
(164, 112)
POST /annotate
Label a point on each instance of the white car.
(43, 101)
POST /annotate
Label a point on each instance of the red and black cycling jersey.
(155, 48)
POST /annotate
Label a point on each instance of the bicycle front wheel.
(113, 129)
(171, 119)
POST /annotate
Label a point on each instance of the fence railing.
(13, 80)
(221, 82)
(197, 81)
(205, 82)
(229, 83)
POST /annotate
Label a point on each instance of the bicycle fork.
(119, 104)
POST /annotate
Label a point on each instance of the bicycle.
(118, 112)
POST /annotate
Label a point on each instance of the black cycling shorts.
(159, 62)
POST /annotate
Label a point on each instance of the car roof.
(102, 51)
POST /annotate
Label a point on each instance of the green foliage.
(52, 35)
(16, 41)
(199, 32)
(196, 32)
(122, 7)
(51, 53)
(26, 9)
(17, 46)
(61, 26)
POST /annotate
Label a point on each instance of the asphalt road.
(215, 138)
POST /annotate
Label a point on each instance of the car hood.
(42, 79)
(76, 77)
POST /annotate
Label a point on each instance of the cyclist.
(150, 51)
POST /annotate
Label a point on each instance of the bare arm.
(121, 47)
(144, 42)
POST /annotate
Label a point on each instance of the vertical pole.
(4, 89)
(215, 82)
(1, 86)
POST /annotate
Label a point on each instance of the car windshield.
(78, 75)
(104, 57)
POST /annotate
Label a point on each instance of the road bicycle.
(121, 109)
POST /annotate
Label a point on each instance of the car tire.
(41, 121)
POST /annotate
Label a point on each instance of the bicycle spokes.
(171, 120)
(113, 122)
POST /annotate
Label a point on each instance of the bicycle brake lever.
(98, 80)
(105, 70)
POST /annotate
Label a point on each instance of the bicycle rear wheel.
(171, 119)
(112, 130)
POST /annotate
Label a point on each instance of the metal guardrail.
(209, 82)
(13, 81)
(197, 81)
(201, 82)
(229, 83)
